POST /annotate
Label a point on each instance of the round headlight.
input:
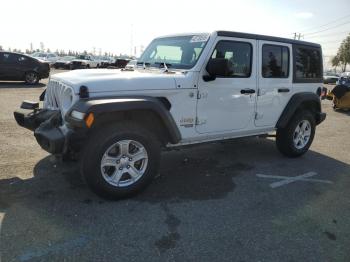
(67, 99)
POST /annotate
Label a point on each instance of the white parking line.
(285, 180)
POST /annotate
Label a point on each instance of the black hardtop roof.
(266, 38)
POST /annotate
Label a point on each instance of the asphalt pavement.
(238, 200)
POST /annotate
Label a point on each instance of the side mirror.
(217, 67)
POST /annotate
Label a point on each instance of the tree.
(1, 48)
(335, 62)
(344, 53)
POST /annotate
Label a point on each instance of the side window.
(239, 56)
(8, 58)
(275, 61)
(308, 64)
(22, 59)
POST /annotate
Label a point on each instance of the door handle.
(283, 90)
(247, 91)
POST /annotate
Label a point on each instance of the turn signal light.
(89, 120)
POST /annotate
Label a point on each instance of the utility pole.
(297, 36)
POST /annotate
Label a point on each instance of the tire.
(31, 78)
(293, 143)
(106, 143)
(87, 66)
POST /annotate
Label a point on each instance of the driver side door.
(227, 104)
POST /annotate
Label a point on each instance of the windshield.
(180, 52)
(39, 55)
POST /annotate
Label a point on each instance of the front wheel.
(120, 160)
(295, 139)
(31, 78)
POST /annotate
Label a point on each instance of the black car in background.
(19, 67)
(63, 62)
(119, 63)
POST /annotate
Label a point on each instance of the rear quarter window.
(307, 64)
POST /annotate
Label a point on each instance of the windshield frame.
(172, 66)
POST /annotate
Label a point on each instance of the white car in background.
(46, 57)
(131, 65)
(84, 62)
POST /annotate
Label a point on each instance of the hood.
(109, 80)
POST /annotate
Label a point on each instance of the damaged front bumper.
(47, 127)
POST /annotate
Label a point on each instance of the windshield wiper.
(163, 65)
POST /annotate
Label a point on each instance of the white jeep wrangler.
(185, 89)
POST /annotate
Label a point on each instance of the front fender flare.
(99, 106)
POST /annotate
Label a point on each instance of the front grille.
(53, 95)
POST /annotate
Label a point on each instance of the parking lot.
(239, 200)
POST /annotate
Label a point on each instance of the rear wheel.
(120, 160)
(295, 139)
(31, 78)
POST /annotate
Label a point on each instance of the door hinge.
(200, 121)
(202, 95)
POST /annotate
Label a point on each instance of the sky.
(115, 26)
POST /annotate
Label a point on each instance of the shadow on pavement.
(55, 204)
(343, 111)
(11, 84)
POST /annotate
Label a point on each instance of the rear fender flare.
(298, 101)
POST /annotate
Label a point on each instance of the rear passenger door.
(275, 81)
(8, 70)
